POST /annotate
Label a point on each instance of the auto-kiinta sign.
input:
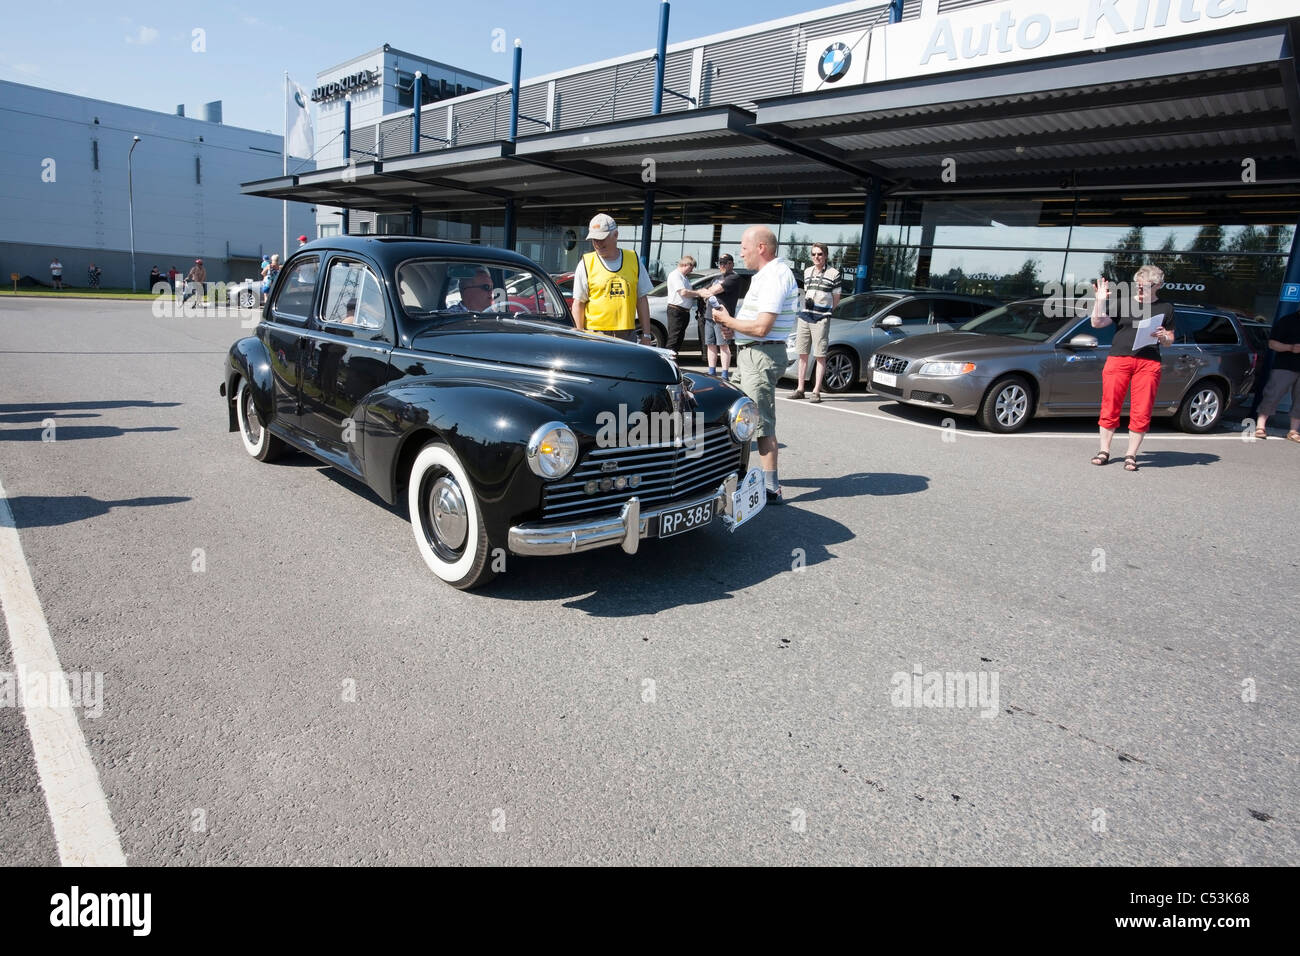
(1018, 30)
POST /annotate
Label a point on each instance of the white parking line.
(832, 406)
(83, 826)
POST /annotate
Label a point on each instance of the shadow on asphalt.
(48, 511)
(853, 486)
(698, 567)
(1174, 459)
(81, 406)
(78, 432)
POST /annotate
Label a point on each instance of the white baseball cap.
(601, 226)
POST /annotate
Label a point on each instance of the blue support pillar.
(347, 152)
(417, 100)
(661, 55)
(514, 95)
(870, 226)
(647, 223)
(1284, 307)
(417, 93)
(510, 225)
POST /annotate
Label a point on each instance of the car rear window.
(297, 289)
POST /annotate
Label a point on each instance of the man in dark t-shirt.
(1284, 341)
(714, 338)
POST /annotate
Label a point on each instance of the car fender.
(249, 360)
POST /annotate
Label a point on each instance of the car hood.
(545, 346)
(956, 345)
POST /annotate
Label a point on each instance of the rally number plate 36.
(749, 499)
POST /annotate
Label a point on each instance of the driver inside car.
(475, 293)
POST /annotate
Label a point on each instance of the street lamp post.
(130, 205)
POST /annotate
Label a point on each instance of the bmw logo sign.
(834, 62)
(297, 98)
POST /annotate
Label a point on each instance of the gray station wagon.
(1026, 360)
(862, 323)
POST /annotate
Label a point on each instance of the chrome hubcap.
(1012, 404)
(450, 519)
(1205, 408)
(252, 427)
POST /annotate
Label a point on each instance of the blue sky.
(141, 54)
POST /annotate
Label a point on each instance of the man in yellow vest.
(610, 287)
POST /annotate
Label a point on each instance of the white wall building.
(63, 191)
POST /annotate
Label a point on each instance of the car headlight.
(946, 369)
(743, 417)
(552, 450)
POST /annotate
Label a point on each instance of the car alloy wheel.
(446, 519)
(841, 371)
(1201, 409)
(1007, 406)
(247, 299)
(257, 438)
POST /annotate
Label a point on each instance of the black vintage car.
(453, 375)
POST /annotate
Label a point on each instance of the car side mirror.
(1082, 342)
(891, 322)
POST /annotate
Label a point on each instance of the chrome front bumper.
(627, 530)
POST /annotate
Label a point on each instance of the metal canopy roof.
(1175, 113)
(1172, 113)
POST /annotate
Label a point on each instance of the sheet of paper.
(1145, 330)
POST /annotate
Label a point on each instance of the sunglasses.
(485, 288)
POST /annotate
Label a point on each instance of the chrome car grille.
(667, 473)
(887, 363)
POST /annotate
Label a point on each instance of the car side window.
(954, 310)
(913, 312)
(1104, 335)
(353, 296)
(297, 289)
(1204, 328)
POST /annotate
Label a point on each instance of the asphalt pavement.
(284, 681)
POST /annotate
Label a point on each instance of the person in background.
(475, 293)
(92, 275)
(765, 321)
(1134, 360)
(270, 269)
(154, 277)
(1284, 341)
(195, 280)
(679, 308)
(610, 287)
(821, 288)
(302, 241)
(56, 273)
(172, 273)
(715, 338)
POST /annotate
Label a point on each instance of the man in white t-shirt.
(680, 298)
(766, 319)
(611, 286)
(56, 273)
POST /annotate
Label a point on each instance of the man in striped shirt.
(821, 286)
(766, 319)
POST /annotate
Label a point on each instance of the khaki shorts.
(812, 337)
(758, 369)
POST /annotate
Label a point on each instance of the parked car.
(1026, 360)
(245, 294)
(494, 425)
(860, 324)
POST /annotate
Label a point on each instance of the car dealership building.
(982, 146)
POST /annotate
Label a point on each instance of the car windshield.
(1019, 320)
(859, 307)
(436, 287)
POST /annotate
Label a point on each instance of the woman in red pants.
(1142, 326)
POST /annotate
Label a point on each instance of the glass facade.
(1218, 248)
